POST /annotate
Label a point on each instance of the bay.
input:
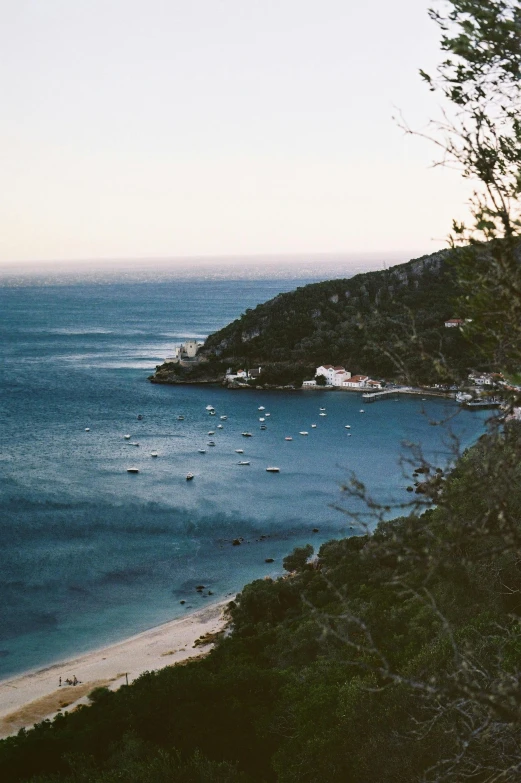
(90, 554)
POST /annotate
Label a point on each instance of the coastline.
(415, 391)
(36, 695)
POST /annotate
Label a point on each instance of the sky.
(165, 128)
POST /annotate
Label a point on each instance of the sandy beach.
(29, 698)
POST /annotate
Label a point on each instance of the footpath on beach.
(34, 696)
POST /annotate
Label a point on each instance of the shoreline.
(416, 391)
(36, 695)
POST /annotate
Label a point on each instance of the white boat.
(180, 418)
(202, 451)
(313, 426)
(263, 427)
(267, 414)
(212, 432)
(322, 414)
(303, 432)
(288, 438)
(133, 444)
(210, 408)
(189, 476)
(362, 410)
(212, 413)
(243, 462)
(127, 437)
(262, 418)
(239, 451)
(219, 426)
(322, 409)
(247, 435)
(262, 408)
(347, 426)
(132, 470)
(153, 453)
(273, 470)
(223, 418)
(87, 429)
(211, 443)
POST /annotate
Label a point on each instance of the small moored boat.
(303, 432)
(313, 426)
(189, 476)
(272, 470)
(133, 444)
(262, 408)
(209, 408)
(239, 451)
(212, 432)
(347, 426)
(263, 427)
(132, 470)
(262, 418)
(288, 438)
(153, 453)
(180, 418)
(87, 429)
(202, 451)
(223, 418)
(211, 443)
(246, 435)
(127, 437)
(219, 426)
(322, 414)
(243, 462)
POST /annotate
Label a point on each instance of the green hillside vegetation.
(386, 656)
(365, 323)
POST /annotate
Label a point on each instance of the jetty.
(373, 396)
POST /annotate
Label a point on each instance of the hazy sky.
(141, 128)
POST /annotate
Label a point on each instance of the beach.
(32, 697)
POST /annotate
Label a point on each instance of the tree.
(480, 134)
(321, 380)
(298, 559)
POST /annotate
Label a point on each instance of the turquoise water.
(90, 553)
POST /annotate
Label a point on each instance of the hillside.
(367, 323)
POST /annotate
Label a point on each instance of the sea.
(91, 554)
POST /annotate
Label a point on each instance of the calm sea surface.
(90, 554)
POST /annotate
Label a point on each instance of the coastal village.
(478, 391)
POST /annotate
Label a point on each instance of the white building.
(452, 323)
(183, 351)
(356, 382)
(190, 348)
(242, 375)
(334, 376)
